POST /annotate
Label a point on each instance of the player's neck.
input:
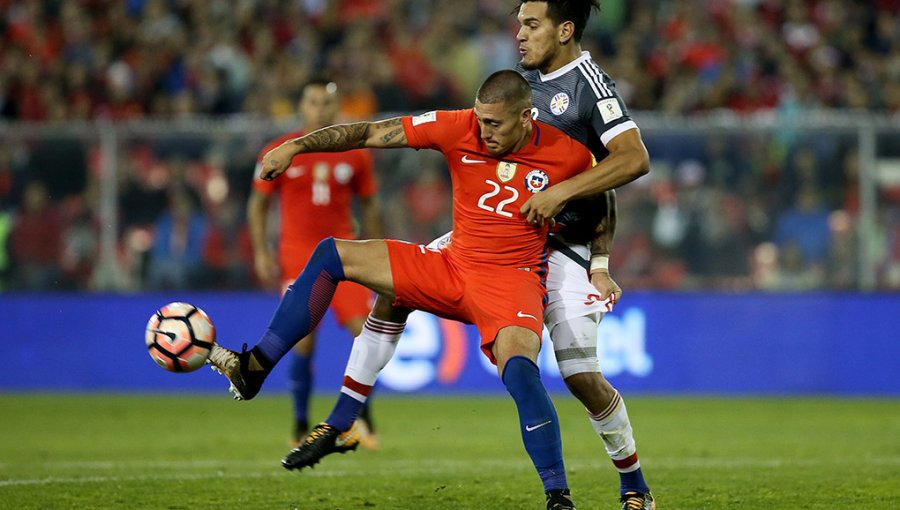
(529, 129)
(566, 55)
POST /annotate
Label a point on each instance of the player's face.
(538, 37)
(503, 128)
(319, 106)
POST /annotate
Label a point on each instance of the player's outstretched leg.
(245, 382)
(299, 312)
(322, 440)
(371, 351)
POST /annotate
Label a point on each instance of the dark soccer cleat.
(559, 499)
(321, 441)
(245, 383)
(637, 501)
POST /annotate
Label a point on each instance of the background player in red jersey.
(491, 274)
(315, 198)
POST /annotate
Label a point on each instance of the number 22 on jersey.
(503, 202)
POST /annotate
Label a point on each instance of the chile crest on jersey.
(536, 180)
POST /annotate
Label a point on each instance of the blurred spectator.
(843, 260)
(80, 241)
(228, 250)
(176, 259)
(795, 273)
(5, 227)
(122, 60)
(35, 241)
(803, 228)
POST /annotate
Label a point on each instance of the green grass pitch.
(207, 452)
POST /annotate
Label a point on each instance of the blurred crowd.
(104, 59)
(735, 211)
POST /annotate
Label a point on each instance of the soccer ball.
(179, 337)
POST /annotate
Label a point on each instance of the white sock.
(614, 429)
(371, 351)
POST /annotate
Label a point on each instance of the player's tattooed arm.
(601, 247)
(382, 134)
(601, 244)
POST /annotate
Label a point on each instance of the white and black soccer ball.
(179, 337)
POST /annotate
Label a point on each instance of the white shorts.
(570, 293)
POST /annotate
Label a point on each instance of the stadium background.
(762, 253)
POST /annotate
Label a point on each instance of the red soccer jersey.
(488, 192)
(316, 193)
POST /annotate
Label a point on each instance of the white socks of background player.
(614, 429)
(372, 350)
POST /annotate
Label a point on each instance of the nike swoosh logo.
(465, 159)
(525, 315)
(529, 428)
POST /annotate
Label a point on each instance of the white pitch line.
(52, 480)
(413, 466)
(663, 462)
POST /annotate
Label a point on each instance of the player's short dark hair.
(576, 11)
(505, 86)
(318, 81)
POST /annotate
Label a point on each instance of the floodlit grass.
(207, 452)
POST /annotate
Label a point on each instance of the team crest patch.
(506, 171)
(343, 172)
(536, 180)
(559, 104)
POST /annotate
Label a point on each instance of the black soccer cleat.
(322, 440)
(637, 501)
(245, 383)
(559, 499)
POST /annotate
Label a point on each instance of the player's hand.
(543, 207)
(276, 161)
(267, 269)
(606, 286)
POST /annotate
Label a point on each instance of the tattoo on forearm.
(391, 135)
(344, 137)
(606, 229)
(336, 138)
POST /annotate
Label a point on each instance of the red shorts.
(351, 300)
(488, 296)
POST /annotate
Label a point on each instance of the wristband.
(599, 262)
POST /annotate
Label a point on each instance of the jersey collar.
(585, 55)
